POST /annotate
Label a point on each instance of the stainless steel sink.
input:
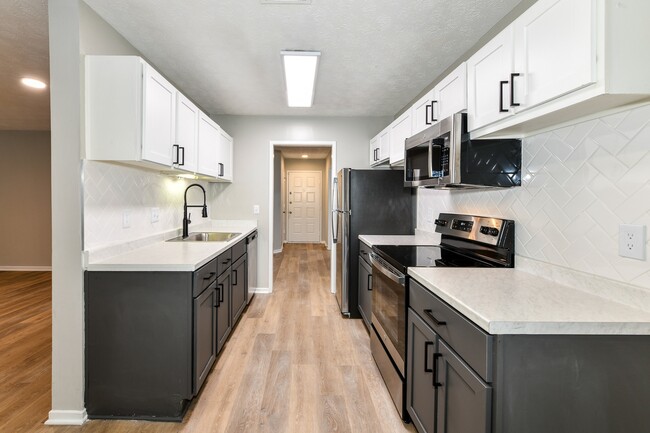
(206, 237)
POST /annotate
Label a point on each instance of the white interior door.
(304, 206)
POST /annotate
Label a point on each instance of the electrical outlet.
(631, 241)
(126, 219)
(256, 209)
(155, 214)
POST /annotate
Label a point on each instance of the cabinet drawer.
(223, 261)
(204, 276)
(238, 249)
(472, 343)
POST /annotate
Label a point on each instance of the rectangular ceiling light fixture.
(300, 76)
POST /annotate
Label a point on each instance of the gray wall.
(26, 221)
(252, 135)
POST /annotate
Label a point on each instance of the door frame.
(333, 170)
(320, 204)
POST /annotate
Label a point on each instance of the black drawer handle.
(427, 369)
(432, 317)
(436, 384)
(212, 274)
(225, 262)
(501, 109)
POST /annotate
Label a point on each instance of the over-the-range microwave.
(444, 156)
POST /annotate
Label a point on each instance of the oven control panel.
(493, 231)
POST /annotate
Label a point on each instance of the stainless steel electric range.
(466, 241)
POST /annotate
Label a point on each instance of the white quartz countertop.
(509, 301)
(173, 256)
(417, 239)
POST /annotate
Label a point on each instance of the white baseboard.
(26, 268)
(262, 290)
(278, 251)
(67, 417)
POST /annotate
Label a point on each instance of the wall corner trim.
(67, 417)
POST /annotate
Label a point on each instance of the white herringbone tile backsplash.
(579, 183)
(111, 189)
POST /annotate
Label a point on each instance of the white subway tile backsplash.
(579, 183)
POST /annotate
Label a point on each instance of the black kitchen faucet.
(186, 217)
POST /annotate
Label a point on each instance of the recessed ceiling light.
(300, 76)
(31, 82)
(305, 156)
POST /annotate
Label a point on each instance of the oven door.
(389, 309)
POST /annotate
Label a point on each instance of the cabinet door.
(451, 93)
(374, 146)
(238, 291)
(365, 291)
(488, 75)
(400, 130)
(224, 156)
(205, 340)
(224, 316)
(555, 50)
(209, 136)
(185, 152)
(159, 106)
(421, 113)
(384, 144)
(464, 400)
(420, 387)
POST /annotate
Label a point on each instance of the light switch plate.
(631, 241)
(256, 209)
(155, 214)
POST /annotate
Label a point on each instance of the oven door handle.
(399, 279)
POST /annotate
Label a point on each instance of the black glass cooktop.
(407, 256)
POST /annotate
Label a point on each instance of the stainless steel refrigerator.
(366, 202)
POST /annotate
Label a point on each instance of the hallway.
(293, 364)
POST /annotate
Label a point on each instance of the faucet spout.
(186, 219)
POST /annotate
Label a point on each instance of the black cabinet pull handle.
(512, 89)
(427, 369)
(436, 384)
(182, 159)
(225, 262)
(501, 109)
(175, 149)
(234, 277)
(433, 117)
(370, 282)
(432, 317)
(220, 288)
(221, 170)
(209, 276)
(426, 113)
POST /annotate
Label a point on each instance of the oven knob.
(485, 230)
(441, 223)
(494, 232)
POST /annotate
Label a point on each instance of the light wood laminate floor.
(292, 364)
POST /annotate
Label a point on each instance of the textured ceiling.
(225, 54)
(24, 52)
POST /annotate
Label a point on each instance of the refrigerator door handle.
(335, 211)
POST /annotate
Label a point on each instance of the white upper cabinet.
(380, 148)
(185, 148)
(451, 93)
(159, 115)
(487, 74)
(400, 130)
(374, 145)
(555, 50)
(209, 136)
(559, 61)
(421, 112)
(449, 96)
(224, 156)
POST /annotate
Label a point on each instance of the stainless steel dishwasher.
(251, 249)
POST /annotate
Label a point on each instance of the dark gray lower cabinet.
(239, 292)
(462, 380)
(365, 291)
(224, 318)
(205, 334)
